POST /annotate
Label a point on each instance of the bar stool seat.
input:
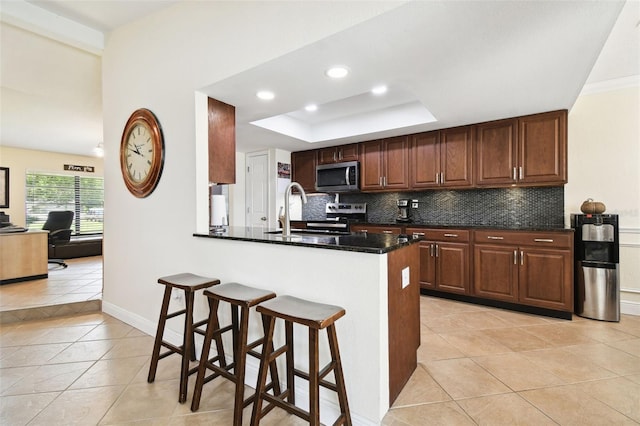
(240, 297)
(189, 283)
(315, 316)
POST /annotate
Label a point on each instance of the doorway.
(257, 187)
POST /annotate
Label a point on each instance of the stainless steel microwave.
(338, 177)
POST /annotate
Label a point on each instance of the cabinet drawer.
(453, 235)
(524, 238)
(377, 229)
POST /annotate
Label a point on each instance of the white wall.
(604, 164)
(159, 62)
(20, 161)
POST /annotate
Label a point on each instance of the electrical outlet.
(405, 277)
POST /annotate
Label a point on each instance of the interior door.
(257, 197)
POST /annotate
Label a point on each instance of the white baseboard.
(329, 410)
(630, 308)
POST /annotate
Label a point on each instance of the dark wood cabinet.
(529, 268)
(303, 169)
(384, 164)
(339, 154)
(222, 142)
(442, 158)
(542, 148)
(425, 160)
(444, 259)
(524, 151)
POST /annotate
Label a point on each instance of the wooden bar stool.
(315, 316)
(240, 297)
(189, 283)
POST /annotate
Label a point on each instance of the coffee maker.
(404, 211)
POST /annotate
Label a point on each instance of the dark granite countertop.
(357, 242)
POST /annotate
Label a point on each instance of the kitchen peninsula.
(374, 277)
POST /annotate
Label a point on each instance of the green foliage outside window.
(81, 194)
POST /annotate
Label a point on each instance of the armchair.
(59, 226)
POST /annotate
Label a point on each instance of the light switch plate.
(405, 277)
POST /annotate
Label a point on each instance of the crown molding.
(609, 85)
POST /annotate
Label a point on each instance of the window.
(82, 195)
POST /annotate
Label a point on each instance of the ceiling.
(526, 57)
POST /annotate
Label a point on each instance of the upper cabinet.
(529, 150)
(384, 164)
(303, 169)
(442, 158)
(222, 142)
(338, 154)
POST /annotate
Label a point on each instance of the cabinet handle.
(340, 155)
(451, 235)
(386, 231)
(543, 240)
(431, 249)
(380, 181)
(437, 178)
(418, 234)
(384, 181)
(364, 231)
(515, 176)
(521, 257)
(491, 237)
(334, 156)
(437, 250)
(515, 257)
(521, 172)
(442, 177)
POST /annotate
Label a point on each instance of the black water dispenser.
(597, 272)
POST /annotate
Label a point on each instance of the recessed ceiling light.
(337, 72)
(265, 95)
(379, 90)
(311, 107)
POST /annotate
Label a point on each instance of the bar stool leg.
(239, 368)
(256, 413)
(159, 334)
(314, 399)
(211, 334)
(338, 373)
(188, 348)
(288, 332)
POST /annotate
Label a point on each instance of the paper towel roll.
(218, 210)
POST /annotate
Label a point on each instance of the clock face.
(142, 153)
(139, 153)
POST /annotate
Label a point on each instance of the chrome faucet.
(286, 221)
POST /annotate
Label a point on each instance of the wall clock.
(142, 153)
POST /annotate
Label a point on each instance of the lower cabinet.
(528, 268)
(444, 259)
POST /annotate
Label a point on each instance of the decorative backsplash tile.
(499, 207)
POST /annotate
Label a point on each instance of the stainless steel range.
(339, 216)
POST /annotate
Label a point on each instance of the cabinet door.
(371, 167)
(546, 278)
(303, 169)
(348, 152)
(427, 265)
(452, 267)
(495, 159)
(222, 142)
(542, 148)
(496, 272)
(425, 160)
(456, 156)
(396, 163)
(327, 155)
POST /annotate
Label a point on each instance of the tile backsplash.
(500, 207)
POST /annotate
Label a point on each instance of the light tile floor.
(477, 365)
(75, 289)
